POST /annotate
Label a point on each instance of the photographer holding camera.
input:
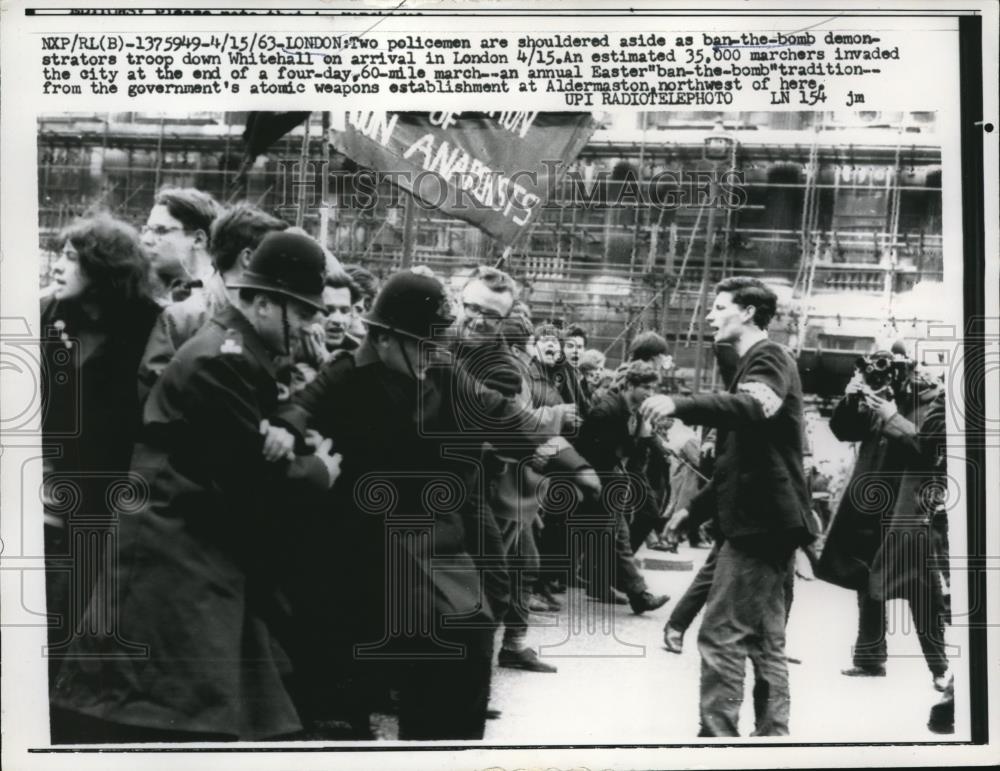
(881, 541)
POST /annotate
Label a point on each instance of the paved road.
(616, 684)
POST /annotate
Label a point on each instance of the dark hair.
(575, 330)
(647, 346)
(344, 281)
(194, 209)
(364, 279)
(112, 259)
(640, 373)
(751, 291)
(495, 279)
(239, 227)
(547, 330)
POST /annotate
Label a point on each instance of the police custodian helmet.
(412, 304)
(289, 264)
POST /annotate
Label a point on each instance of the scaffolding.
(825, 211)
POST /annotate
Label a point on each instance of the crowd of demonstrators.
(341, 491)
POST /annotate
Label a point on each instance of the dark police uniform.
(426, 580)
(198, 555)
(763, 514)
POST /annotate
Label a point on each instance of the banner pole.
(502, 262)
(409, 231)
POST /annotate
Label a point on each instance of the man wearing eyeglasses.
(176, 238)
(235, 234)
(486, 301)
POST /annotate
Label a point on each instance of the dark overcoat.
(193, 646)
(879, 539)
(89, 404)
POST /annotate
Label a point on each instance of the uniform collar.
(365, 355)
(231, 318)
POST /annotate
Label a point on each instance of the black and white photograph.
(655, 420)
(360, 472)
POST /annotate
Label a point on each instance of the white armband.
(768, 400)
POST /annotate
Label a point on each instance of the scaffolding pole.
(300, 212)
(699, 351)
(324, 183)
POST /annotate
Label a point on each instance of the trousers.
(745, 615)
(522, 557)
(609, 560)
(447, 699)
(928, 621)
(694, 597)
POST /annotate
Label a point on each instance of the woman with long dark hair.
(94, 325)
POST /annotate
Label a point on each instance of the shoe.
(877, 671)
(645, 601)
(611, 596)
(941, 681)
(493, 714)
(526, 659)
(673, 639)
(942, 717)
(537, 605)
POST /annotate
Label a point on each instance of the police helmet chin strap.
(406, 357)
(285, 327)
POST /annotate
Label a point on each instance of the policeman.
(194, 657)
(422, 546)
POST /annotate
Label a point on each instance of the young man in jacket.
(235, 234)
(612, 439)
(762, 507)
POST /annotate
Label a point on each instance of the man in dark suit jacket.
(762, 505)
